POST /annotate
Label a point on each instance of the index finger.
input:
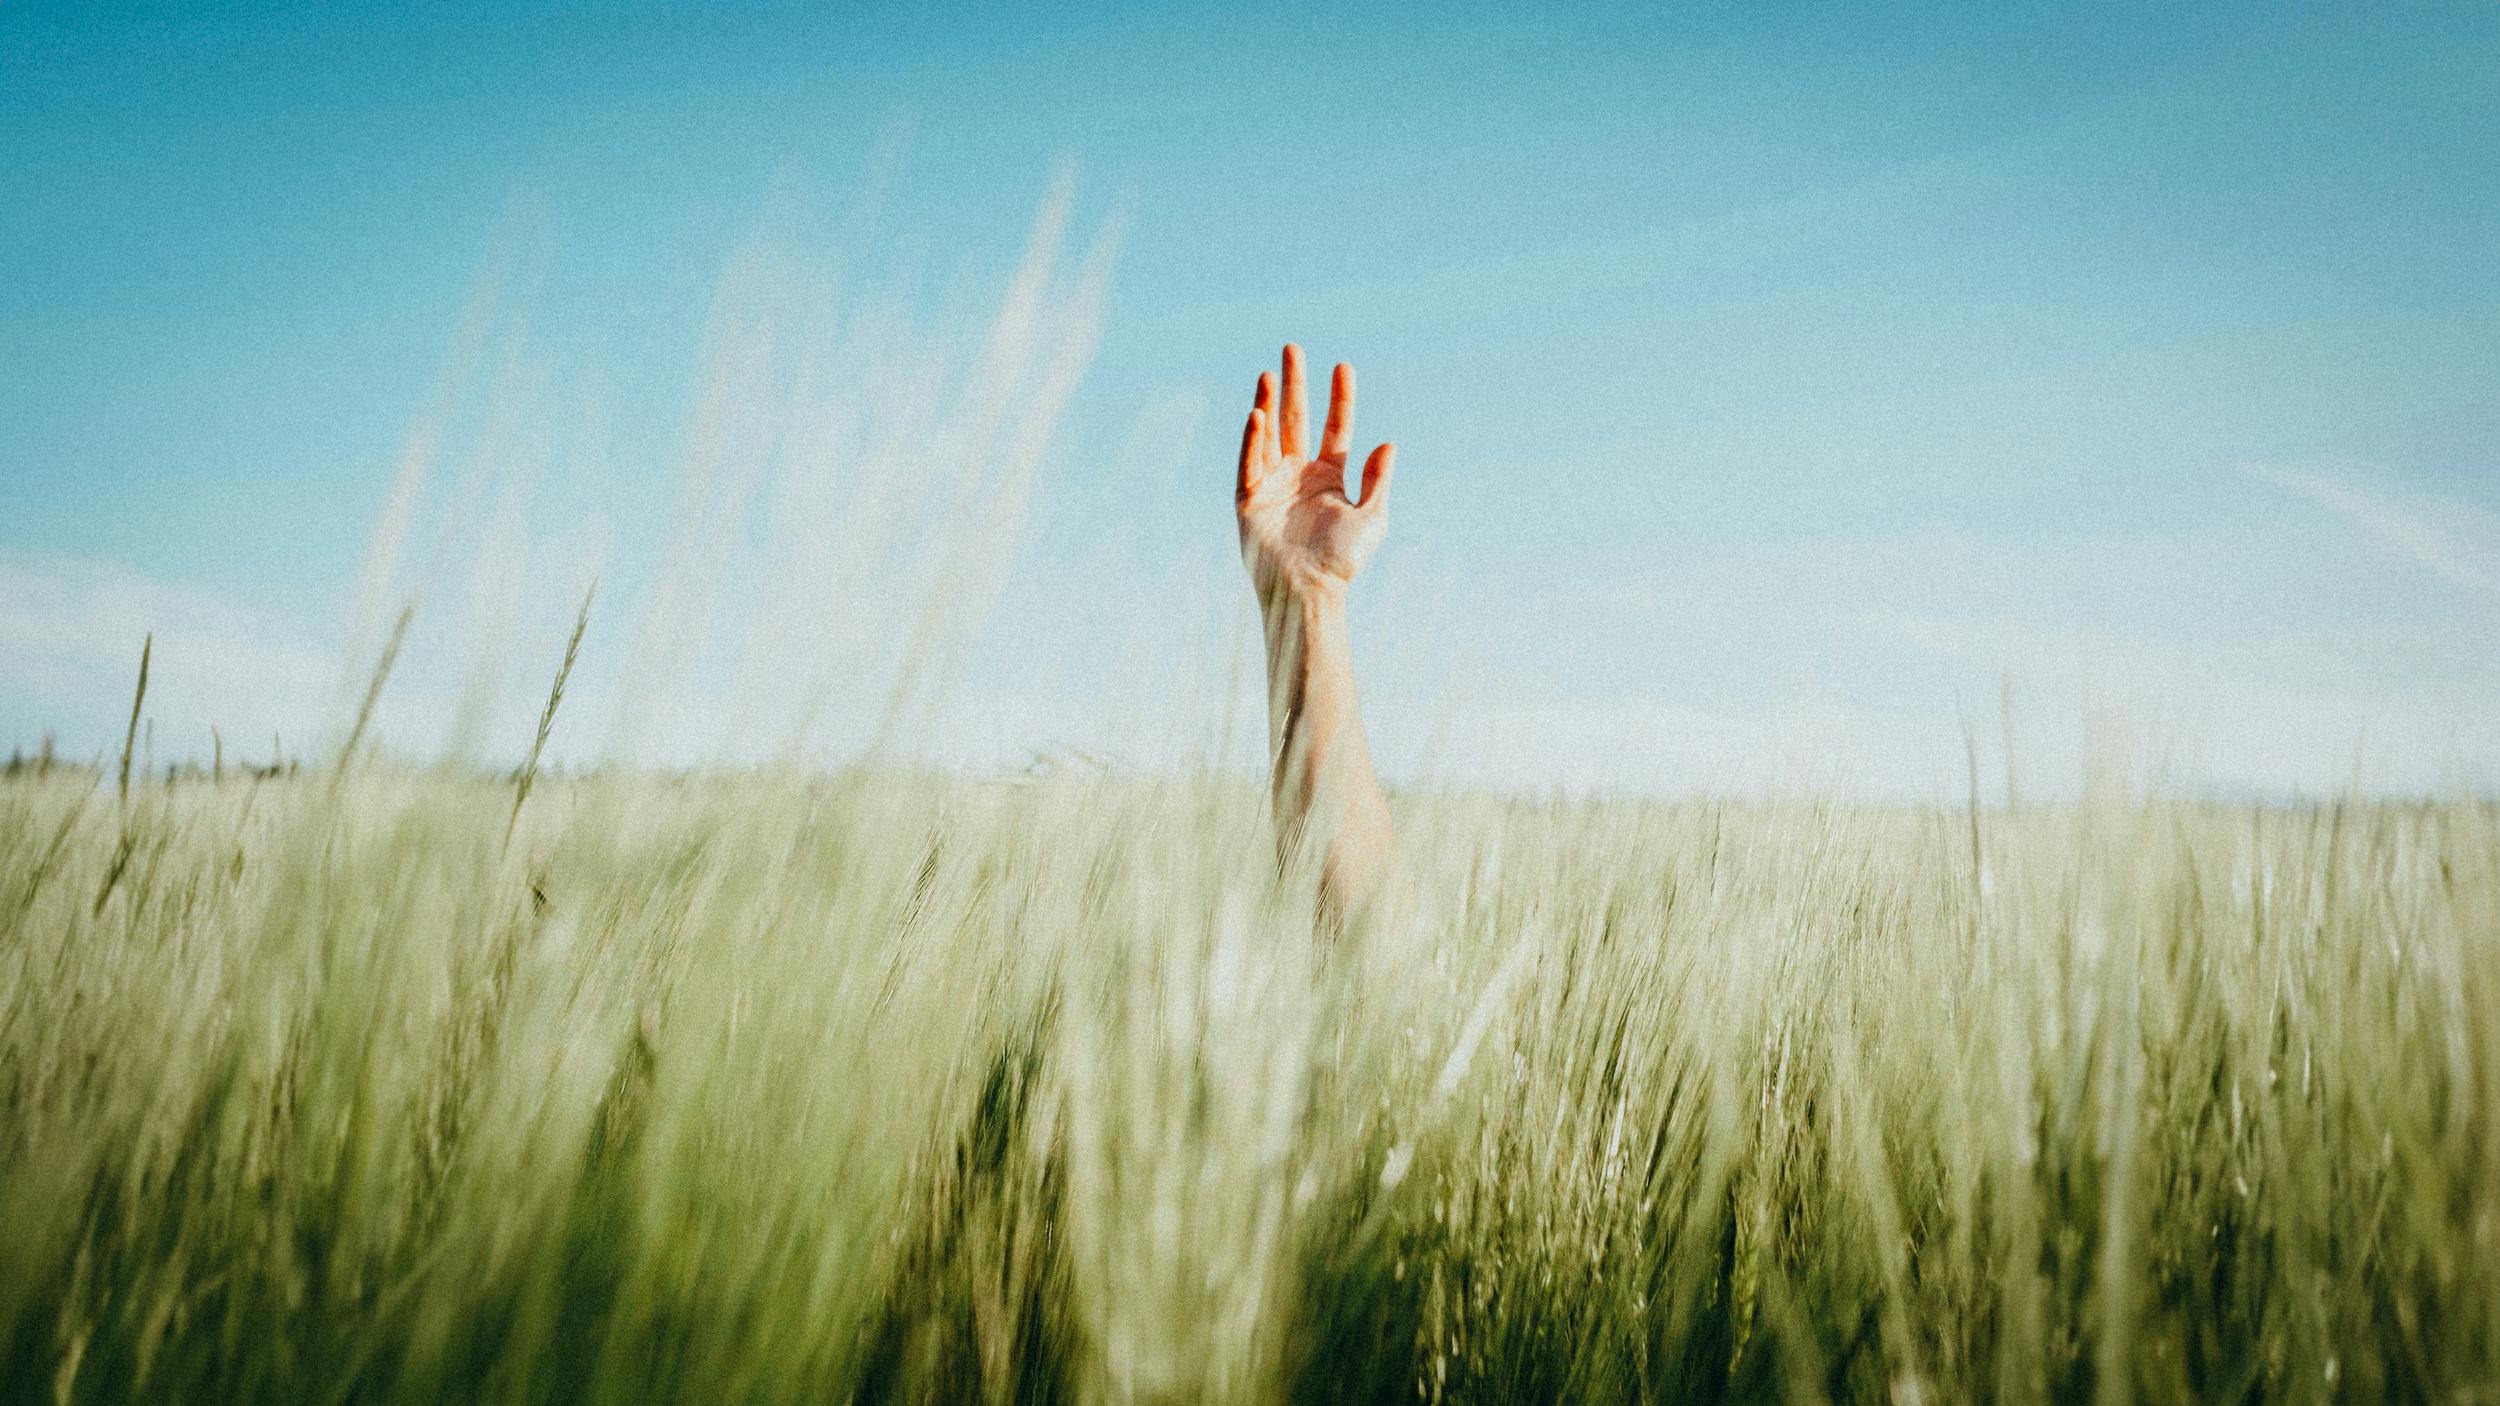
(1248, 472)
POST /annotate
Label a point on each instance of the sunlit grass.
(898, 1088)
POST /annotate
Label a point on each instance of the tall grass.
(889, 1088)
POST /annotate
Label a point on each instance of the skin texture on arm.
(1304, 540)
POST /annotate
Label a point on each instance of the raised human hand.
(1299, 530)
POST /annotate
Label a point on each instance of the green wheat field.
(350, 1087)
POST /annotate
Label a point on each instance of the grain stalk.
(547, 715)
(373, 690)
(138, 700)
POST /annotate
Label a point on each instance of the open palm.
(1299, 530)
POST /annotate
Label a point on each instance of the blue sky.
(1780, 390)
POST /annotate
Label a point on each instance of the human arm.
(1303, 540)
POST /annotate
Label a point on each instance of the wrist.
(1305, 594)
(1306, 621)
(1301, 614)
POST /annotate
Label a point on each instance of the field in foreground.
(878, 1089)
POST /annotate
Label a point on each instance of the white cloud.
(1633, 744)
(71, 629)
(1851, 667)
(2466, 555)
(2243, 720)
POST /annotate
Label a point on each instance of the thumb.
(1376, 475)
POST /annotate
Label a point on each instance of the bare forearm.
(1303, 540)
(1329, 809)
